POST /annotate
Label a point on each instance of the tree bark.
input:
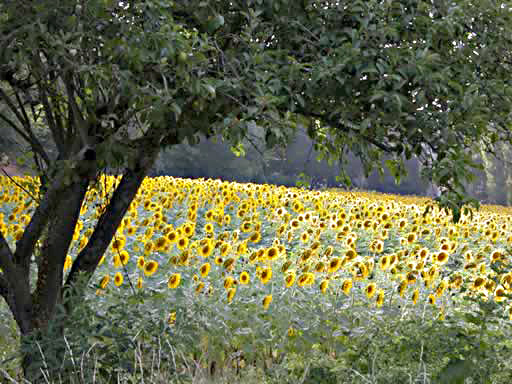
(46, 328)
(89, 257)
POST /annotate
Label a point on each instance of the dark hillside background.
(212, 158)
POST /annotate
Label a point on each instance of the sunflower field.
(378, 287)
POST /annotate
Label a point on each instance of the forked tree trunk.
(47, 328)
(46, 322)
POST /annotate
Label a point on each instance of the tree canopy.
(111, 82)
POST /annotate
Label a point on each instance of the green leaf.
(215, 23)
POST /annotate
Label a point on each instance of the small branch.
(13, 126)
(11, 105)
(28, 135)
(18, 185)
(76, 116)
(347, 129)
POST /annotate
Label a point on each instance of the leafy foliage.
(113, 82)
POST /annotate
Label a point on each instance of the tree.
(116, 81)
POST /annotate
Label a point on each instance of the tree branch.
(61, 228)
(29, 135)
(14, 127)
(76, 117)
(339, 125)
(6, 256)
(18, 184)
(25, 246)
(4, 287)
(107, 224)
(14, 288)
(55, 129)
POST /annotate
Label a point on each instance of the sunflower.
(182, 243)
(266, 301)
(83, 243)
(140, 262)
(346, 286)
(496, 256)
(208, 228)
(441, 257)
(150, 267)
(384, 262)
(172, 318)
(139, 283)
(320, 267)
(224, 249)
(219, 260)
(68, 262)
(359, 271)
(161, 243)
(379, 246)
(265, 275)
(402, 287)
(324, 285)
(328, 251)
(380, 298)
(370, 290)
(286, 265)
(304, 237)
(229, 264)
(441, 288)
(478, 283)
(271, 253)
(423, 253)
(294, 223)
(104, 281)
(231, 294)
(246, 226)
(351, 254)
(229, 281)
(148, 247)
(307, 278)
(431, 299)
(241, 248)
(411, 277)
(174, 280)
(415, 295)
(117, 261)
(124, 257)
(205, 269)
(334, 265)
(118, 279)
(490, 286)
(205, 250)
(245, 278)
(172, 236)
(411, 237)
(118, 243)
(148, 233)
(199, 287)
(289, 279)
(255, 237)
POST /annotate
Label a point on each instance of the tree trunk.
(43, 344)
(43, 351)
(42, 314)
